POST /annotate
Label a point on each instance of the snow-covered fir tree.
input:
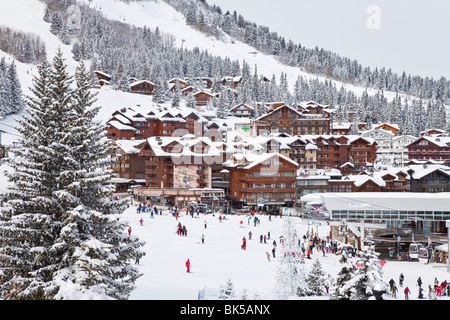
(10, 89)
(30, 217)
(340, 289)
(316, 280)
(176, 94)
(227, 291)
(57, 213)
(368, 279)
(289, 279)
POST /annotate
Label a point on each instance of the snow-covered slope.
(26, 16)
(159, 14)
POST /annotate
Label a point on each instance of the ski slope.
(221, 258)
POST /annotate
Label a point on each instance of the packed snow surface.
(221, 258)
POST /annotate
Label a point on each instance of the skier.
(420, 293)
(203, 238)
(391, 283)
(188, 266)
(141, 222)
(436, 283)
(394, 291)
(400, 279)
(438, 291)
(268, 256)
(419, 282)
(244, 243)
(407, 292)
(129, 231)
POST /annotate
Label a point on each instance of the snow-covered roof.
(398, 201)
(120, 126)
(129, 146)
(241, 104)
(140, 82)
(252, 159)
(380, 130)
(419, 171)
(159, 143)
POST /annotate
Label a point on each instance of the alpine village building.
(285, 153)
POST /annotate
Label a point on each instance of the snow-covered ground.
(221, 258)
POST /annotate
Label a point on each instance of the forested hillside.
(124, 50)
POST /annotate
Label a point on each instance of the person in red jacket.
(407, 292)
(244, 243)
(188, 266)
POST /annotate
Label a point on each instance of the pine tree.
(57, 212)
(4, 96)
(227, 291)
(65, 38)
(176, 94)
(368, 278)
(56, 24)
(190, 101)
(47, 15)
(30, 217)
(15, 90)
(340, 289)
(316, 280)
(95, 231)
(220, 106)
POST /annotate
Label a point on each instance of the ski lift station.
(405, 219)
(424, 213)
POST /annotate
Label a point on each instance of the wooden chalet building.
(127, 124)
(184, 162)
(381, 181)
(270, 106)
(350, 153)
(128, 168)
(102, 77)
(142, 87)
(429, 178)
(232, 82)
(332, 151)
(388, 126)
(341, 128)
(288, 120)
(433, 132)
(242, 110)
(182, 83)
(261, 180)
(299, 149)
(362, 151)
(202, 97)
(430, 148)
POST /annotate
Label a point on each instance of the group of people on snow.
(181, 229)
(437, 290)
